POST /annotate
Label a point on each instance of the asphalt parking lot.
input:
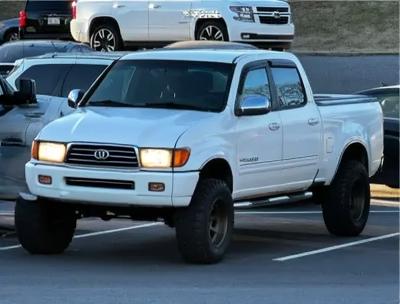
(279, 255)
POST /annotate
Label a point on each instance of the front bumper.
(256, 32)
(179, 187)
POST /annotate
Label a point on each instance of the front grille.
(273, 20)
(116, 156)
(272, 9)
(100, 183)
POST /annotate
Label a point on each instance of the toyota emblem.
(101, 154)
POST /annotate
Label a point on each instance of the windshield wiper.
(109, 103)
(173, 105)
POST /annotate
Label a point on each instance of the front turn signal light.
(35, 150)
(181, 156)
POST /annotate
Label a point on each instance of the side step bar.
(271, 201)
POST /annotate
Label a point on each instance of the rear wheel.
(11, 35)
(346, 202)
(44, 227)
(106, 38)
(204, 229)
(212, 30)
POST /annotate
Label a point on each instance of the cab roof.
(207, 55)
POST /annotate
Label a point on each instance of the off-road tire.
(193, 223)
(44, 227)
(346, 201)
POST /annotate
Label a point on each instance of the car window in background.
(47, 77)
(390, 102)
(10, 52)
(289, 86)
(81, 76)
(31, 50)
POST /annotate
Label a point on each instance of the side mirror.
(74, 97)
(254, 105)
(26, 93)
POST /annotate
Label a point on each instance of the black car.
(45, 20)
(9, 52)
(389, 98)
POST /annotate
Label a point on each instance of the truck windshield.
(192, 85)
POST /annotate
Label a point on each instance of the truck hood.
(127, 126)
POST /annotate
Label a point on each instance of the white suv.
(110, 25)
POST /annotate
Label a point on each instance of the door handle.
(313, 121)
(154, 6)
(118, 5)
(274, 126)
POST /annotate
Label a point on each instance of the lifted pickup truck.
(181, 135)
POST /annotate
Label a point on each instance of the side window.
(81, 76)
(46, 76)
(289, 87)
(255, 83)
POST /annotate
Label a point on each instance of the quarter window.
(256, 83)
(289, 87)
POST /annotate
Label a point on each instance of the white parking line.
(79, 236)
(307, 253)
(306, 212)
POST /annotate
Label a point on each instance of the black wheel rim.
(357, 200)
(103, 40)
(218, 224)
(211, 32)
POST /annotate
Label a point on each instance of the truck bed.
(339, 99)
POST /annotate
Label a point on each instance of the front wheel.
(44, 227)
(204, 229)
(212, 30)
(346, 201)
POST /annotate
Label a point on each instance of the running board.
(277, 200)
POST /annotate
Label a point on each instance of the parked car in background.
(109, 25)
(45, 19)
(20, 123)
(57, 74)
(9, 30)
(389, 98)
(183, 134)
(12, 51)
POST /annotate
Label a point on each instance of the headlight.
(47, 151)
(244, 13)
(163, 158)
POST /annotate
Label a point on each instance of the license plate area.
(53, 21)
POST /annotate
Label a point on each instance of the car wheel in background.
(11, 35)
(212, 30)
(106, 38)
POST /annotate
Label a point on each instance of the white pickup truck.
(182, 135)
